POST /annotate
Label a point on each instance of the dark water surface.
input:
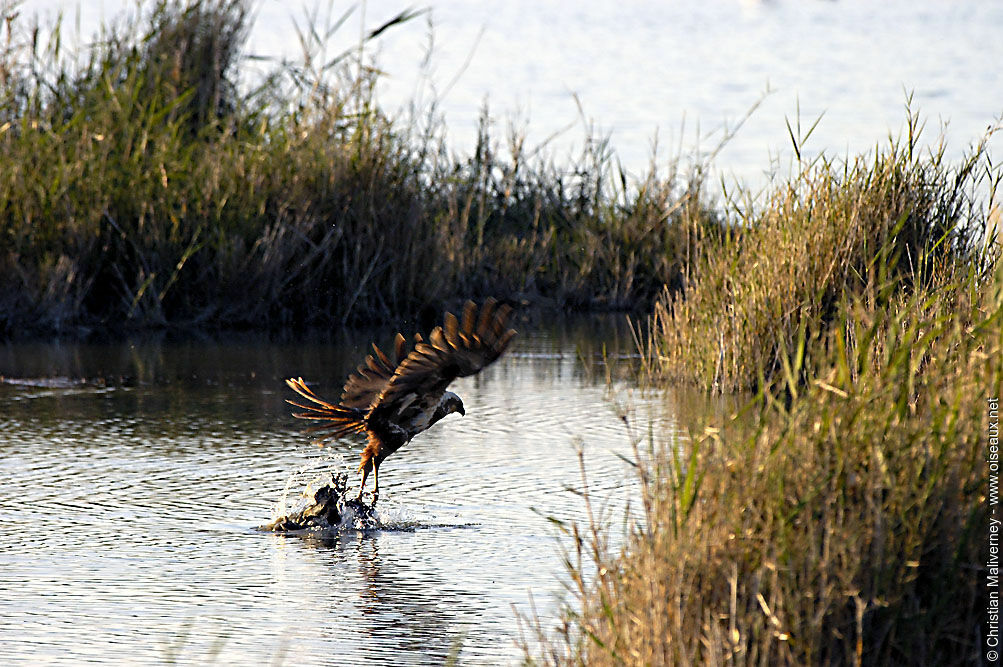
(135, 475)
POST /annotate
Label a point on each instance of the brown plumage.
(393, 400)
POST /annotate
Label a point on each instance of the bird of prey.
(391, 401)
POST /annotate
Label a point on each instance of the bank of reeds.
(842, 516)
(848, 528)
(872, 228)
(139, 186)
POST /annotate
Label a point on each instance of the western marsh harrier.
(391, 401)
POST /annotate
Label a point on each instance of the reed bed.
(846, 527)
(144, 183)
(841, 517)
(871, 227)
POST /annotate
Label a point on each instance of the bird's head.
(453, 403)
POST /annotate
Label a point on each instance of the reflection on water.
(135, 476)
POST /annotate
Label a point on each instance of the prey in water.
(391, 400)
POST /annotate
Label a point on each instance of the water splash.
(323, 505)
(281, 506)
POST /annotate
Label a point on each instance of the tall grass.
(869, 228)
(139, 186)
(846, 529)
(841, 517)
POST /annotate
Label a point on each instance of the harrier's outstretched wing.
(456, 349)
(366, 383)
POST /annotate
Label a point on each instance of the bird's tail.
(339, 420)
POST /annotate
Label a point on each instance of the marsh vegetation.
(841, 516)
(144, 186)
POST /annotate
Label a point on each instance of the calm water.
(683, 68)
(129, 510)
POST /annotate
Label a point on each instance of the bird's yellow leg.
(376, 481)
(365, 473)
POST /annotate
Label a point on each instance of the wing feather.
(400, 351)
(451, 329)
(470, 314)
(384, 360)
(438, 339)
(485, 319)
(368, 380)
(470, 318)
